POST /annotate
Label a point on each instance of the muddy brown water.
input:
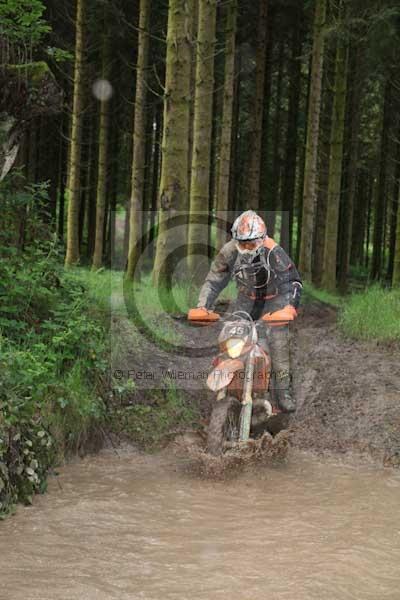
(134, 526)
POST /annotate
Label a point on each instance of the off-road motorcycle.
(241, 376)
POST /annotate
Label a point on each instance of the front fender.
(222, 375)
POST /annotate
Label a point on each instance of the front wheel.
(224, 424)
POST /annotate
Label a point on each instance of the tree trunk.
(202, 128)
(91, 182)
(253, 179)
(73, 184)
(371, 201)
(194, 8)
(310, 169)
(234, 135)
(54, 174)
(175, 145)
(148, 177)
(265, 177)
(380, 200)
(335, 167)
(225, 151)
(354, 86)
(396, 257)
(289, 180)
(155, 183)
(86, 159)
(62, 175)
(394, 194)
(276, 157)
(103, 163)
(323, 164)
(139, 146)
(393, 221)
(302, 164)
(111, 258)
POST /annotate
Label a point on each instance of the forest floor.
(347, 391)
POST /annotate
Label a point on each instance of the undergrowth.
(147, 306)
(370, 314)
(312, 293)
(52, 367)
(149, 423)
(373, 314)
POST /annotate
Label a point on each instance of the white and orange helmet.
(249, 226)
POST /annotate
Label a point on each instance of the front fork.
(247, 398)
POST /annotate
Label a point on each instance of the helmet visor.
(249, 245)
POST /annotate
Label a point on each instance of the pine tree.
(335, 167)
(354, 96)
(396, 262)
(73, 184)
(310, 169)
(139, 144)
(289, 180)
(175, 143)
(103, 160)
(253, 179)
(202, 129)
(380, 197)
(225, 151)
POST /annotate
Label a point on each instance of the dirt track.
(348, 392)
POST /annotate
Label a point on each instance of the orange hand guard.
(281, 317)
(202, 314)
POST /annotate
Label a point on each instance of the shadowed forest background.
(206, 106)
(118, 115)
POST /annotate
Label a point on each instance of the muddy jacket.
(271, 276)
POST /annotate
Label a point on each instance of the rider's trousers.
(275, 340)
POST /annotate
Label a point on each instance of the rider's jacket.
(270, 276)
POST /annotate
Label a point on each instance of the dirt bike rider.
(267, 281)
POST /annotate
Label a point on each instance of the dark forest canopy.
(117, 115)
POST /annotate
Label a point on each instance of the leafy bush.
(21, 21)
(52, 364)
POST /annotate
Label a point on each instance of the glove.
(202, 314)
(296, 294)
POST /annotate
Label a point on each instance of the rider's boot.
(281, 379)
(284, 392)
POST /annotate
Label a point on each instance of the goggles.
(249, 245)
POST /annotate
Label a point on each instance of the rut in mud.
(347, 392)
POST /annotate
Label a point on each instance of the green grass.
(312, 293)
(148, 425)
(143, 301)
(373, 314)
(99, 285)
(370, 314)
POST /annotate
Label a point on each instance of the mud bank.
(348, 392)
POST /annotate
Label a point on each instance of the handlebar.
(203, 316)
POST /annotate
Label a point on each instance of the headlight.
(234, 347)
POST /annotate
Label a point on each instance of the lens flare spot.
(102, 89)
